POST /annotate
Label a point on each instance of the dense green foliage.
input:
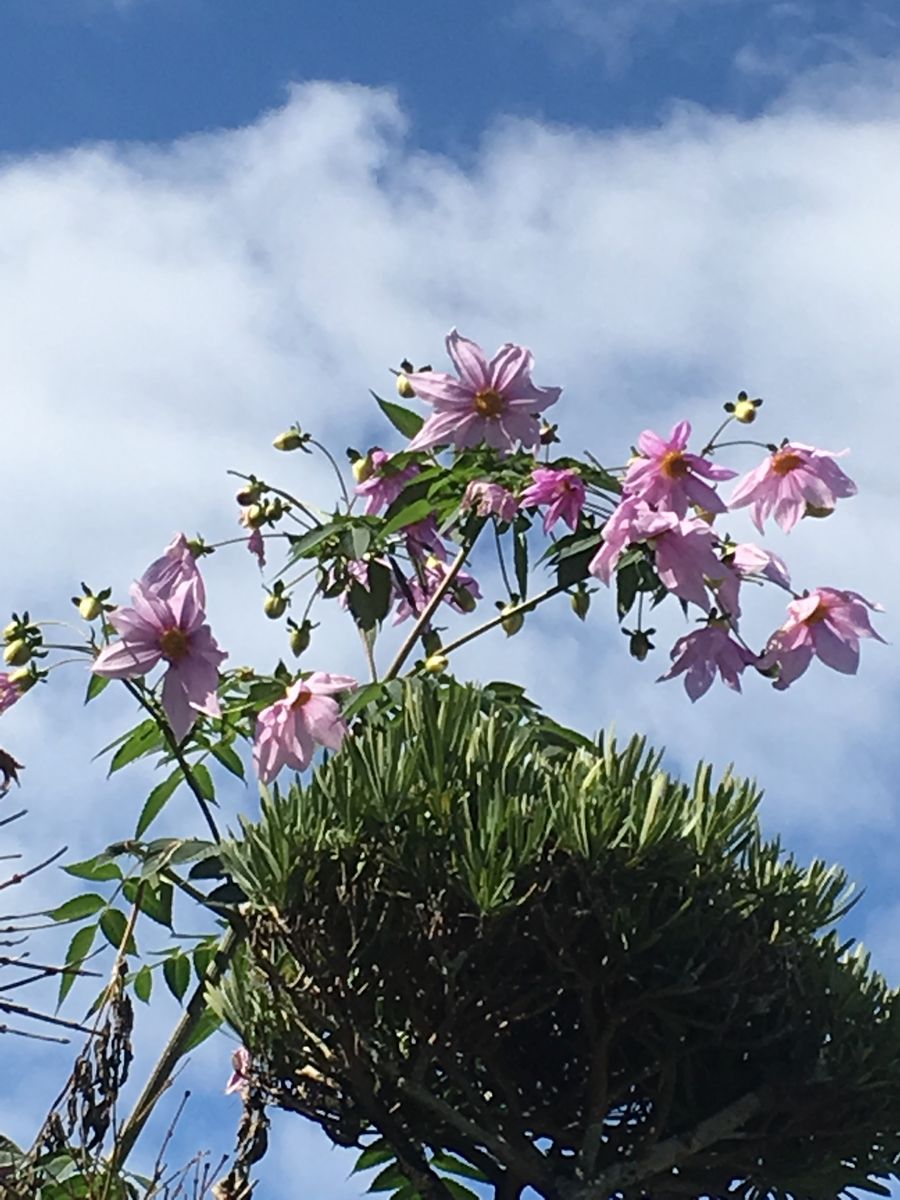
(501, 949)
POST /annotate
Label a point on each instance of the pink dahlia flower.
(826, 623)
(490, 498)
(686, 559)
(176, 566)
(493, 402)
(383, 485)
(748, 561)
(9, 693)
(792, 478)
(699, 655)
(619, 532)
(667, 477)
(238, 1080)
(170, 629)
(561, 490)
(288, 731)
(424, 539)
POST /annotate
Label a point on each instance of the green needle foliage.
(490, 949)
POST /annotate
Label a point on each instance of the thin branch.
(525, 606)
(22, 875)
(428, 611)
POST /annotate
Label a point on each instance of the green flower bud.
(291, 439)
(275, 605)
(23, 680)
(580, 602)
(300, 637)
(639, 644)
(17, 653)
(90, 608)
(813, 510)
(11, 631)
(436, 663)
(255, 516)
(512, 621)
(362, 468)
(404, 388)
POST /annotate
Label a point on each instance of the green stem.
(335, 468)
(525, 606)
(428, 611)
(174, 1049)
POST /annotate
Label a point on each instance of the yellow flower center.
(673, 465)
(174, 644)
(786, 461)
(489, 403)
(819, 613)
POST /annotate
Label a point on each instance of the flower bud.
(17, 653)
(254, 516)
(291, 439)
(813, 510)
(580, 602)
(90, 608)
(639, 644)
(23, 680)
(744, 409)
(275, 605)
(300, 637)
(362, 468)
(512, 621)
(404, 388)
(11, 631)
(248, 495)
(464, 599)
(548, 433)
(436, 663)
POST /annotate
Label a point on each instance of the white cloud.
(164, 311)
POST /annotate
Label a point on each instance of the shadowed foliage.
(487, 948)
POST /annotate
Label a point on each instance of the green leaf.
(98, 869)
(388, 1180)
(79, 949)
(143, 984)
(203, 955)
(156, 801)
(206, 1026)
(404, 420)
(229, 758)
(304, 545)
(156, 902)
(520, 561)
(460, 1192)
(203, 780)
(113, 924)
(177, 973)
(409, 514)
(140, 741)
(373, 1156)
(78, 908)
(456, 1166)
(95, 686)
(360, 540)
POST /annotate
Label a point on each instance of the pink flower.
(699, 655)
(461, 596)
(686, 559)
(667, 477)
(238, 1080)
(384, 484)
(423, 539)
(619, 532)
(490, 498)
(171, 629)
(493, 402)
(9, 693)
(176, 566)
(790, 479)
(826, 623)
(288, 731)
(748, 561)
(561, 490)
(257, 547)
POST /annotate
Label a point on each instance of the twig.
(21, 875)
(427, 612)
(525, 606)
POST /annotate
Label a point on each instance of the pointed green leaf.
(229, 758)
(143, 984)
(156, 801)
(95, 686)
(404, 420)
(113, 924)
(374, 1156)
(78, 908)
(79, 948)
(177, 973)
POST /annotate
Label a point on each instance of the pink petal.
(834, 651)
(470, 362)
(323, 719)
(126, 660)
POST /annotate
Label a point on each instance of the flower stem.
(428, 611)
(336, 469)
(525, 606)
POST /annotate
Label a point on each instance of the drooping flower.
(826, 623)
(176, 566)
(9, 693)
(791, 479)
(619, 532)
(748, 561)
(257, 547)
(383, 484)
(491, 401)
(288, 731)
(490, 498)
(423, 539)
(561, 490)
(167, 628)
(686, 559)
(699, 655)
(461, 596)
(239, 1079)
(668, 478)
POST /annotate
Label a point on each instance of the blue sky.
(668, 200)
